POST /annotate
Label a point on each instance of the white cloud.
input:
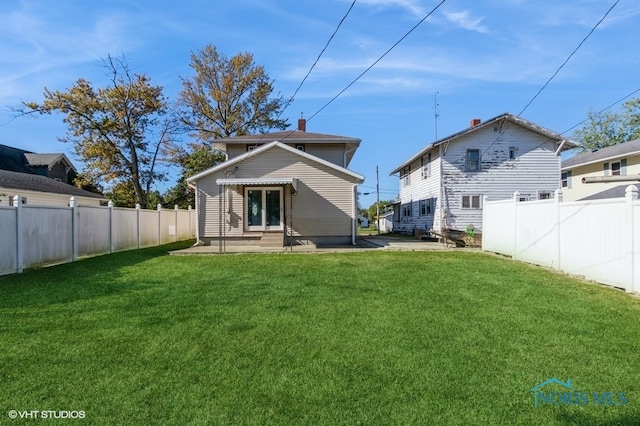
(463, 19)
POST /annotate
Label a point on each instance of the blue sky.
(482, 57)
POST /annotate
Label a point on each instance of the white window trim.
(470, 198)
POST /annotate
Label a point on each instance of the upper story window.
(472, 163)
(405, 176)
(425, 163)
(566, 179)
(616, 168)
(300, 147)
(513, 153)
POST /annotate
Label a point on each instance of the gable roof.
(266, 147)
(292, 137)
(48, 160)
(542, 131)
(619, 191)
(20, 160)
(34, 182)
(604, 154)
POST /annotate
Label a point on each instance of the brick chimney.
(302, 124)
(475, 122)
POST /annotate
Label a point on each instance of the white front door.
(264, 208)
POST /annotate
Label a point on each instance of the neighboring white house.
(386, 221)
(603, 173)
(283, 188)
(40, 190)
(442, 185)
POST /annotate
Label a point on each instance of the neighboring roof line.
(267, 147)
(604, 154)
(34, 182)
(506, 116)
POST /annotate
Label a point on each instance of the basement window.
(470, 201)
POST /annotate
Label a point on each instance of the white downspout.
(198, 241)
(354, 214)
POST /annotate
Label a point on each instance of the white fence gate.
(36, 235)
(598, 239)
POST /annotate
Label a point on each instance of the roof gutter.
(598, 179)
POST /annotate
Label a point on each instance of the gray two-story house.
(283, 188)
(442, 186)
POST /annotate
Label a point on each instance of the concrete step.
(272, 239)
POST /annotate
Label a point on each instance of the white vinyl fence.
(598, 239)
(37, 235)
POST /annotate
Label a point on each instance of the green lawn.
(371, 338)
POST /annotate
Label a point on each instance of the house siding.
(535, 169)
(322, 206)
(579, 190)
(333, 152)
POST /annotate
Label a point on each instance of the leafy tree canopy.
(610, 128)
(117, 130)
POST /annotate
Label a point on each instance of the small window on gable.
(472, 163)
(513, 153)
(300, 148)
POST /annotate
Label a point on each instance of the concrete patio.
(363, 243)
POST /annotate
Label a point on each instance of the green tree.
(118, 130)
(228, 97)
(373, 211)
(610, 128)
(225, 97)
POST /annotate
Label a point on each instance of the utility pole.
(377, 201)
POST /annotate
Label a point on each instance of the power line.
(377, 60)
(603, 110)
(318, 58)
(568, 58)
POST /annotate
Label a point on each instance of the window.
(544, 195)
(252, 147)
(300, 148)
(513, 152)
(470, 201)
(425, 207)
(425, 163)
(566, 179)
(615, 169)
(472, 163)
(406, 210)
(405, 176)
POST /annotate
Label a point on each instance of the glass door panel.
(272, 202)
(254, 209)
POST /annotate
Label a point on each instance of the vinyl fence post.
(631, 196)
(138, 222)
(516, 198)
(17, 203)
(74, 229)
(159, 224)
(175, 208)
(110, 205)
(485, 199)
(558, 197)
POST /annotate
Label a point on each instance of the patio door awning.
(260, 182)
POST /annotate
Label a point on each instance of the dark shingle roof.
(13, 159)
(610, 152)
(33, 182)
(615, 192)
